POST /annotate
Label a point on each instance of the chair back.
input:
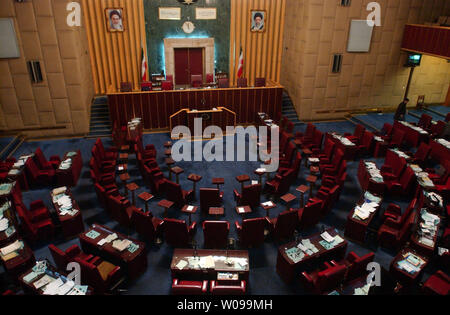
(167, 85)
(174, 193)
(425, 121)
(219, 288)
(331, 278)
(59, 257)
(285, 225)
(216, 234)
(224, 83)
(126, 87)
(260, 82)
(196, 80)
(184, 287)
(311, 213)
(242, 82)
(176, 233)
(209, 78)
(251, 196)
(252, 233)
(143, 224)
(209, 197)
(358, 268)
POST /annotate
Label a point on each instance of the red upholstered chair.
(326, 280)
(120, 209)
(422, 154)
(294, 166)
(251, 232)
(179, 196)
(280, 184)
(126, 87)
(437, 284)
(287, 155)
(357, 135)
(169, 77)
(146, 225)
(216, 234)
(398, 136)
(42, 163)
(146, 86)
(224, 288)
(177, 233)
(39, 177)
(196, 80)
(308, 135)
(109, 154)
(393, 167)
(405, 185)
(394, 233)
(155, 180)
(425, 121)
(326, 154)
(250, 196)
(310, 214)
(260, 82)
(183, 287)
(100, 274)
(356, 266)
(224, 83)
(242, 82)
(335, 166)
(35, 228)
(209, 78)
(393, 211)
(316, 143)
(366, 145)
(63, 258)
(283, 227)
(386, 132)
(210, 197)
(329, 197)
(167, 85)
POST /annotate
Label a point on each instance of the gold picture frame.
(115, 20)
(255, 26)
(206, 13)
(169, 13)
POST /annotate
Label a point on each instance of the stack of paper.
(374, 172)
(121, 245)
(5, 188)
(268, 204)
(372, 198)
(306, 246)
(46, 279)
(401, 153)
(190, 208)
(241, 210)
(108, 239)
(181, 264)
(4, 224)
(66, 164)
(17, 245)
(365, 210)
(444, 142)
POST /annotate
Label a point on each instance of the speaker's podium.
(198, 121)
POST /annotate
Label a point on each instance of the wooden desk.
(29, 287)
(209, 274)
(288, 270)
(71, 225)
(367, 183)
(69, 177)
(356, 229)
(155, 107)
(134, 264)
(17, 265)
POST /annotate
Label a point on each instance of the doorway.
(188, 61)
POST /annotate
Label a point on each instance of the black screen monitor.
(414, 60)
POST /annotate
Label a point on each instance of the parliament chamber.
(224, 148)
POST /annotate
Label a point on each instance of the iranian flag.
(240, 71)
(144, 67)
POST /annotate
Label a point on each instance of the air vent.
(346, 3)
(337, 63)
(34, 67)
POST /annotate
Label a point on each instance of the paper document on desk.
(66, 288)
(327, 237)
(121, 245)
(241, 210)
(181, 264)
(43, 281)
(52, 287)
(208, 262)
(11, 248)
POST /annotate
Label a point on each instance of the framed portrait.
(258, 20)
(169, 13)
(115, 19)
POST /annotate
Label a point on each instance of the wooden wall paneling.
(237, 103)
(163, 121)
(250, 109)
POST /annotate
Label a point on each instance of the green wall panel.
(157, 30)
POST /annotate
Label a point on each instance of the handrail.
(231, 112)
(9, 144)
(176, 114)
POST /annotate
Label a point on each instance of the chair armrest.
(205, 286)
(192, 226)
(307, 277)
(73, 251)
(351, 257)
(96, 260)
(327, 265)
(237, 195)
(238, 226)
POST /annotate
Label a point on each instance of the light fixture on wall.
(337, 63)
(34, 67)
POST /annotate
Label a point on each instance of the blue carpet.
(4, 141)
(157, 279)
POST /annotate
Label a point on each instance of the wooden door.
(188, 61)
